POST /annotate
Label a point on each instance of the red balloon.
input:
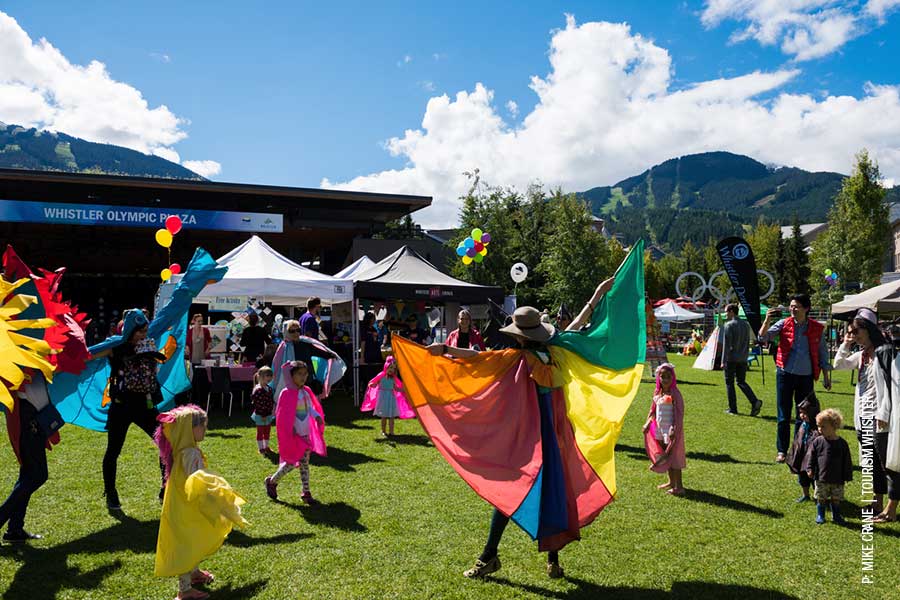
(479, 246)
(175, 268)
(173, 224)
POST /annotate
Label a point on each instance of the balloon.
(166, 274)
(828, 272)
(478, 258)
(461, 250)
(469, 243)
(467, 260)
(483, 252)
(476, 234)
(485, 238)
(835, 275)
(173, 224)
(471, 253)
(175, 268)
(479, 246)
(164, 238)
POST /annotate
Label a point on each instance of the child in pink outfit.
(300, 426)
(384, 396)
(664, 430)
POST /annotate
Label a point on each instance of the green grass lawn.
(397, 522)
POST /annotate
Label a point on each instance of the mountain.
(713, 194)
(22, 148)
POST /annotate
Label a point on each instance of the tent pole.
(354, 341)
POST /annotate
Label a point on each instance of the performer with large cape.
(533, 430)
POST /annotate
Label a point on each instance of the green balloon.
(476, 234)
(478, 258)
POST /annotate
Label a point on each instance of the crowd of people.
(286, 394)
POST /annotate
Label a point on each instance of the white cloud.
(513, 108)
(40, 88)
(880, 8)
(427, 85)
(404, 61)
(203, 168)
(161, 57)
(805, 29)
(606, 111)
(443, 55)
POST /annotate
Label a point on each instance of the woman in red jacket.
(466, 336)
(198, 340)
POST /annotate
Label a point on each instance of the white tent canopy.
(256, 270)
(670, 311)
(354, 268)
(884, 298)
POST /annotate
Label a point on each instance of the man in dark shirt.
(736, 338)
(309, 325)
(254, 339)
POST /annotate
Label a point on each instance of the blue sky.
(292, 93)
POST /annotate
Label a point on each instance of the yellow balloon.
(483, 251)
(165, 274)
(164, 238)
(467, 260)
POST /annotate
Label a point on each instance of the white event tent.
(883, 299)
(355, 267)
(257, 270)
(670, 311)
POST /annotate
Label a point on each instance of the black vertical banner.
(737, 258)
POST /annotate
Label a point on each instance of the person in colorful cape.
(199, 508)
(802, 355)
(384, 396)
(552, 408)
(300, 426)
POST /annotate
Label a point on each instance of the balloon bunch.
(164, 238)
(474, 248)
(831, 278)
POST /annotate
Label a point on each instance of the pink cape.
(292, 447)
(371, 400)
(659, 463)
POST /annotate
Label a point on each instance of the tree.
(858, 233)
(693, 258)
(764, 239)
(401, 229)
(576, 256)
(796, 267)
(782, 290)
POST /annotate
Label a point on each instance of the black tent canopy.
(405, 275)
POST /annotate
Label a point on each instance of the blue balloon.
(469, 243)
(461, 250)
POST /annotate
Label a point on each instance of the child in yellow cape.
(199, 508)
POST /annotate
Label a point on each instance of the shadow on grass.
(342, 460)
(683, 382)
(226, 436)
(339, 515)
(405, 439)
(639, 453)
(44, 571)
(251, 590)
(717, 500)
(239, 539)
(683, 590)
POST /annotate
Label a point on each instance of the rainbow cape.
(534, 439)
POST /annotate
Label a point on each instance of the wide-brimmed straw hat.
(527, 324)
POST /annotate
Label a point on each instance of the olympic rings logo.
(700, 290)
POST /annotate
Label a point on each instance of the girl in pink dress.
(385, 397)
(664, 430)
(300, 426)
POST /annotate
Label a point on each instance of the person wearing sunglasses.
(292, 348)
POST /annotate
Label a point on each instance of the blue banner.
(19, 211)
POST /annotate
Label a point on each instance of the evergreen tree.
(781, 283)
(858, 235)
(796, 262)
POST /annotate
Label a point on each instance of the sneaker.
(820, 519)
(780, 457)
(482, 568)
(202, 577)
(802, 499)
(308, 499)
(554, 571)
(271, 488)
(20, 536)
(731, 412)
(757, 406)
(112, 501)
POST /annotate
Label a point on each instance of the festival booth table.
(882, 299)
(256, 270)
(406, 277)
